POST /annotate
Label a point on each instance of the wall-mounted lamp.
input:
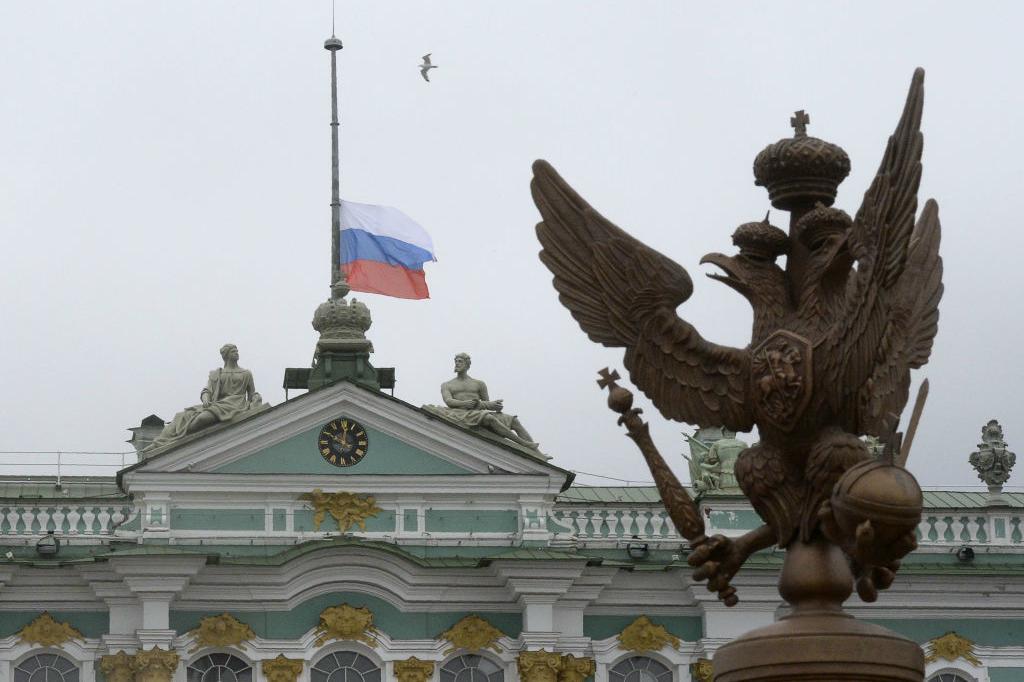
(48, 545)
(636, 550)
(965, 554)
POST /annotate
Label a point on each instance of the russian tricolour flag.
(383, 251)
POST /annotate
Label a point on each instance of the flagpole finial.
(339, 287)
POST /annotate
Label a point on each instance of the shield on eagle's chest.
(781, 379)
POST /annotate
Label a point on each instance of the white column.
(538, 585)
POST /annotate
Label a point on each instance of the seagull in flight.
(426, 66)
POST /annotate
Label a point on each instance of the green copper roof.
(933, 499)
(71, 487)
(611, 495)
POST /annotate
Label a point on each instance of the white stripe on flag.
(385, 221)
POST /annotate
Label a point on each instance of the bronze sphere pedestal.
(818, 641)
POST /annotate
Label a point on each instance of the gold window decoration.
(472, 633)
(346, 622)
(643, 635)
(45, 631)
(223, 630)
(951, 646)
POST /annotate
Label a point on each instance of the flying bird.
(426, 66)
(828, 360)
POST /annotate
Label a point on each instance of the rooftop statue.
(230, 394)
(467, 403)
(835, 335)
(993, 461)
(713, 453)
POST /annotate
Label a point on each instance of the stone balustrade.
(982, 527)
(599, 525)
(69, 519)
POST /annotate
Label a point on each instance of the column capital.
(155, 665)
(539, 666)
(576, 669)
(117, 667)
(413, 670)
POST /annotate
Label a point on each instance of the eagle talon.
(717, 560)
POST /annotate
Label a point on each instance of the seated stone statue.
(467, 403)
(230, 393)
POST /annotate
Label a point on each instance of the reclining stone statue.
(467, 404)
(230, 394)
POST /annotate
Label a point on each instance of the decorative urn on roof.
(993, 461)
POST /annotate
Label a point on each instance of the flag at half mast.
(383, 251)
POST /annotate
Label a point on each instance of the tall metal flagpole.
(339, 286)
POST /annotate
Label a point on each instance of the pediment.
(283, 441)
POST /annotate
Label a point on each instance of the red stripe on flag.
(373, 277)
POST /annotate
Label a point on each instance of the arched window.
(639, 669)
(471, 668)
(46, 668)
(219, 668)
(948, 677)
(345, 666)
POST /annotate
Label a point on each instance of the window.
(471, 668)
(640, 669)
(948, 677)
(345, 666)
(219, 668)
(46, 668)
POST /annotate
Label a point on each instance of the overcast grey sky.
(165, 169)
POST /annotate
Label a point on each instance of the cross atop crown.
(799, 122)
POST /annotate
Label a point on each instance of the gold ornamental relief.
(282, 669)
(702, 671)
(575, 669)
(347, 509)
(539, 666)
(643, 635)
(155, 665)
(413, 670)
(45, 631)
(222, 630)
(951, 646)
(346, 622)
(472, 633)
(117, 667)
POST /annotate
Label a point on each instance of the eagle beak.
(841, 259)
(731, 268)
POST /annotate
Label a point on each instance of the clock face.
(343, 442)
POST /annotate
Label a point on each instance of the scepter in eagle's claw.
(681, 507)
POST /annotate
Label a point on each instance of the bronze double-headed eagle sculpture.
(835, 334)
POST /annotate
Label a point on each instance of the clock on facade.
(343, 442)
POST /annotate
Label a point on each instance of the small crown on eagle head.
(820, 223)
(761, 240)
(800, 170)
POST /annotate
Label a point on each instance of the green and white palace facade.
(244, 554)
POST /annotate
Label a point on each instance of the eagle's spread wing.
(624, 293)
(885, 321)
(910, 330)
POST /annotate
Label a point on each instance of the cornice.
(282, 486)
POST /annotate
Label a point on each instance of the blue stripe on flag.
(361, 245)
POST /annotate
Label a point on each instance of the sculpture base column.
(818, 642)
